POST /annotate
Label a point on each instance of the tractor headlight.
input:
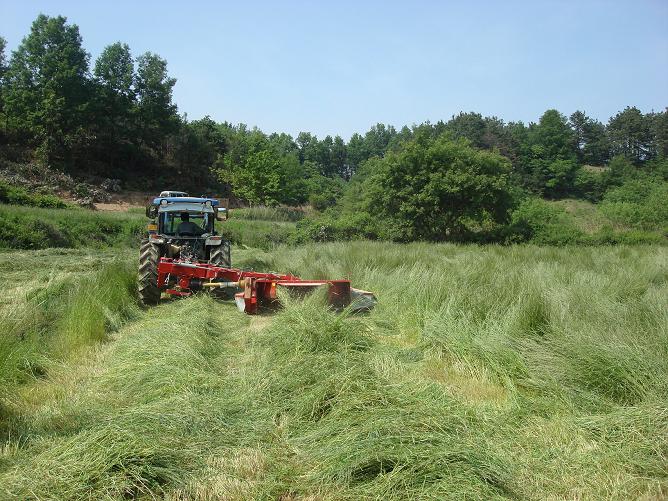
(208, 203)
(163, 202)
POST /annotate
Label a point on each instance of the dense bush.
(589, 184)
(436, 189)
(543, 223)
(640, 203)
(20, 196)
(324, 191)
(332, 226)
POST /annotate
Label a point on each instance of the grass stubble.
(483, 373)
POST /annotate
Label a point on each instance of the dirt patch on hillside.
(123, 201)
(116, 206)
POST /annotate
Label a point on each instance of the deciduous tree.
(437, 189)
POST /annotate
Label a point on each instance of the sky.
(340, 67)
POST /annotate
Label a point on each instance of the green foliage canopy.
(121, 122)
(156, 113)
(631, 135)
(266, 177)
(436, 189)
(47, 87)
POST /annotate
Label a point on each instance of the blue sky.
(339, 67)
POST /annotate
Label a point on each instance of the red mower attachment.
(258, 290)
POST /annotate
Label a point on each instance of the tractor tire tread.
(147, 286)
(220, 255)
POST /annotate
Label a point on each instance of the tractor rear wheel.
(149, 255)
(220, 255)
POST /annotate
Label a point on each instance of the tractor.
(184, 254)
(198, 242)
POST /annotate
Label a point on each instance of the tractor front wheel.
(149, 256)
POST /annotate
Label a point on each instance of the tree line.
(115, 117)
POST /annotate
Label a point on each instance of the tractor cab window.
(172, 220)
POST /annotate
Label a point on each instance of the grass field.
(484, 373)
(39, 228)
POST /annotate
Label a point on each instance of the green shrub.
(639, 203)
(535, 220)
(436, 189)
(543, 223)
(321, 202)
(332, 226)
(619, 171)
(608, 236)
(20, 196)
(324, 191)
(589, 184)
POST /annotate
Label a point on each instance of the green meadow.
(517, 372)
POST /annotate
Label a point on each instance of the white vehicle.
(173, 194)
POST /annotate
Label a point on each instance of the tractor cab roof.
(186, 207)
(194, 200)
(187, 204)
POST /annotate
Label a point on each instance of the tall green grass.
(37, 228)
(262, 227)
(257, 234)
(276, 214)
(483, 373)
(53, 315)
(176, 408)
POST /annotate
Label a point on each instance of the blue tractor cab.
(181, 228)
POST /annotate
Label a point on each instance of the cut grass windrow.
(483, 373)
(54, 315)
(176, 394)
